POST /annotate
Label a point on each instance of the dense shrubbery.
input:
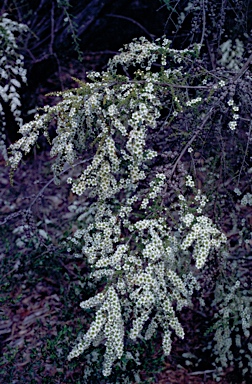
(147, 235)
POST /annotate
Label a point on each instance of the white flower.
(222, 83)
(189, 181)
(237, 191)
(232, 125)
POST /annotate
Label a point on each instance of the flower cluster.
(193, 101)
(155, 189)
(206, 236)
(12, 74)
(145, 278)
(109, 320)
(112, 109)
(201, 230)
(233, 124)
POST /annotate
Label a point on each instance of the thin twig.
(204, 23)
(52, 30)
(185, 86)
(201, 372)
(173, 10)
(132, 21)
(191, 140)
(211, 55)
(105, 52)
(246, 153)
(243, 69)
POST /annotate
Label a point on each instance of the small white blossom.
(222, 83)
(189, 181)
(232, 125)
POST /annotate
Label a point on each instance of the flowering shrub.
(147, 238)
(12, 74)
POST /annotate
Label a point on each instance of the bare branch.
(132, 21)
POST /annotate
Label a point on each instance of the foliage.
(73, 27)
(147, 234)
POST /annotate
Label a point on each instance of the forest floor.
(42, 286)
